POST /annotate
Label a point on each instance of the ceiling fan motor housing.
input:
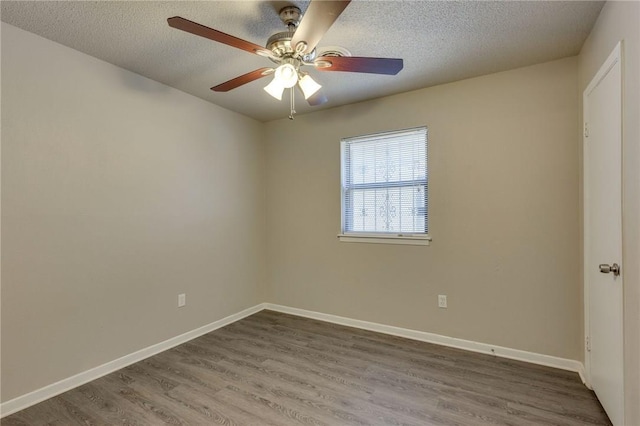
(280, 45)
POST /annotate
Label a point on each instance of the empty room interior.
(320, 212)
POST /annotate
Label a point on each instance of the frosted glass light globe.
(287, 75)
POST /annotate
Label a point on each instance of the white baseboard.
(583, 376)
(39, 395)
(32, 398)
(469, 345)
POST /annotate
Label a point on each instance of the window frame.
(411, 238)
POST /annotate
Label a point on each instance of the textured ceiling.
(440, 41)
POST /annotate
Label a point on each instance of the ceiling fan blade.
(389, 66)
(317, 98)
(215, 35)
(243, 79)
(318, 18)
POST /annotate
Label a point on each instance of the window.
(385, 187)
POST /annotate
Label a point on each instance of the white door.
(603, 235)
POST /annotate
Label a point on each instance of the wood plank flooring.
(277, 369)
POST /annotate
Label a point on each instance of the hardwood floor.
(277, 369)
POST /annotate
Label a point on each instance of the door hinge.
(586, 130)
(588, 344)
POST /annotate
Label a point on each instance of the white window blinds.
(384, 183)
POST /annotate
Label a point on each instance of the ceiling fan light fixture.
(287, 75)
(275, 89)
(309, 86)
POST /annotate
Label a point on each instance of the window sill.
(416, 240)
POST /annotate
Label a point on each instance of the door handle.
(605, 269)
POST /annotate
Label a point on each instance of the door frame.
(614, 58)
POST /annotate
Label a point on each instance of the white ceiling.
(440, 41)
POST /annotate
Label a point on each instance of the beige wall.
(503, 199)
(118, 193)
(620, 21)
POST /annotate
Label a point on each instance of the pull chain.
(293, 104)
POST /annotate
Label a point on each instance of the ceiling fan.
(294, 49)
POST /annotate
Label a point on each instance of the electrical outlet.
(182, 300)
(442, 301)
